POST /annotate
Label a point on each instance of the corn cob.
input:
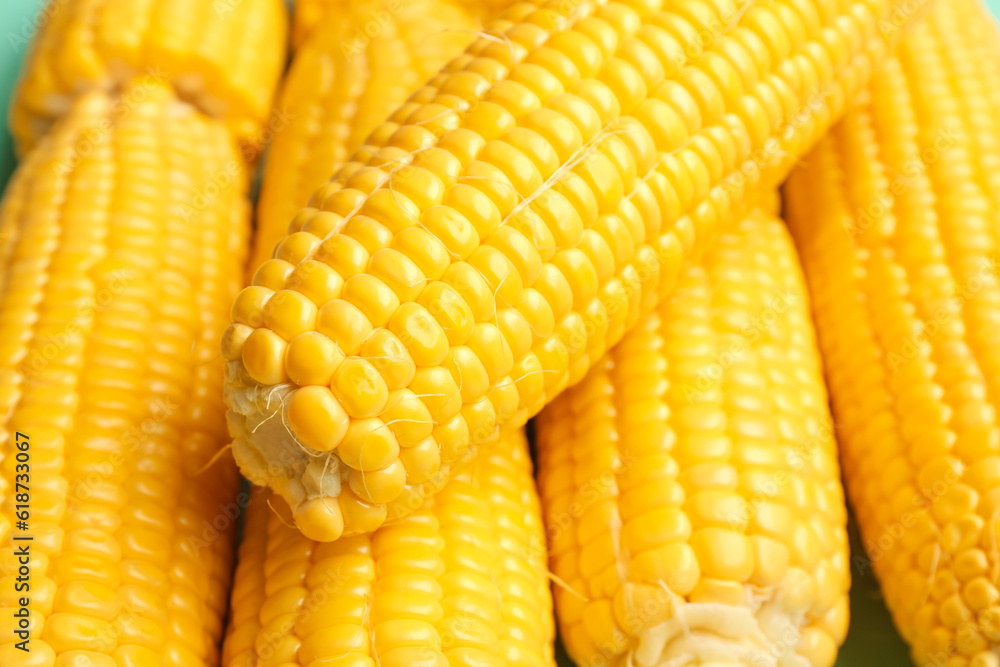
(895, 215)
(377, 15)
(508, 224)
(342, 83)
(224, 56)
(122, 237)
(460, 582)
(689, 483)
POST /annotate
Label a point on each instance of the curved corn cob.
(460, 582)
(340, 86)
(690, 484)
(375, 17)
(509, 224)
(122, 236)
(896, 218)
(223, 56)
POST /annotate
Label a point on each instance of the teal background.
(872, 641)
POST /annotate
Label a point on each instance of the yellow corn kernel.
(359, 64)
(690, 483)
(226, 60)
(624, 203)
(894, 215)
(461, 580)
(113, 287)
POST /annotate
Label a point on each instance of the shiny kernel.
(320, 519)
(272, 274)
(311, 359)
(431, 255)
(500, 274)
(473, 288)
(289, 314)
(359, 516)
(322, 224)
(452, 229)
(264, 357)
(233, 340)
(389, 357)
(379, 486)
(368, 445)
(316, 280)
(344, 255)
(476, 207)
(422, 461)
(370, 233)
(723, 553)
(420, 333)
(296, 247)
(453, 437)
(345, 324)
(248, 308)
(492, 349)
(372, 296)
(360, 388)
(450, 310)
(398, 272)
(316, 418)
(468, 372)
(408, 417)
(437, 389)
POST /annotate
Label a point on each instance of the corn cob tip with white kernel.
(690, 484)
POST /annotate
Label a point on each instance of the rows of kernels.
(695, 465)
(581, 161)
(225, 58)
(461, 581)
(114, 378)
(311, 16)
(890, 213)
(342, 83)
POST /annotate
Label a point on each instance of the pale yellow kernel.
(344, 255)
(421, 461)
(359, 516)
(372, 296)
(430, 254)
(345, 324)
(379, 486)
(452, 229)
(420, 333)
(316, 280)
(453, 438)
(675, 565)
(316, 418)
(980, 594)
(368, 445)
(359, 387)
(723, 553)
(272, 274)
(289, 314)
(450, 310)
(320, 519)
(296, 247)
(233, 340)
(408, 417)
(264, 357)
(311, 359)
(248, 308)
(399, 272)
(390, 358)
